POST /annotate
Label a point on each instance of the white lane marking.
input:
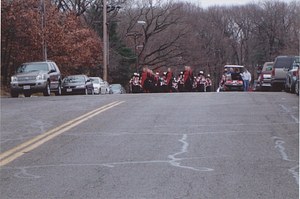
(289, 112)
(176, 161)
(295, 170)
(24, 174)
(24, 170)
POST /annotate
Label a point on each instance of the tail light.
(294, 73)
(273, 72)
(262, 76)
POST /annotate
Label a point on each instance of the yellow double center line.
(18, 151)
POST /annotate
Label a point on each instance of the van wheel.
(14, 94)
(297, 88)
(47, 90)
(27, 94)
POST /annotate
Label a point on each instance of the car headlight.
(81, 86)
(14, 79)
(40, 77)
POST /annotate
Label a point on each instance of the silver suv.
(33, 77)
(281, 67)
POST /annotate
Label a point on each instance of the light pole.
(136, 36)
(104, 41)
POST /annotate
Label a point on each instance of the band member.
(131, 84)
(169, 80)
(152, 81)
(163, 83)
(145, 80)
(188, 79)
(135, 86)
(180, 82)
(195, 84)
(209, 83)
(201, 82)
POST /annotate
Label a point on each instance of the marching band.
(151, 82)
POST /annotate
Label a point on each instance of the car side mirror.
(258, 72)
(88, 80)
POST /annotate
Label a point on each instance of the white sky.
(207, 3)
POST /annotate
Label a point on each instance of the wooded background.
(175, 33)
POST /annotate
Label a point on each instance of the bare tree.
(159, 44)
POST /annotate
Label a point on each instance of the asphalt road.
(176, 145)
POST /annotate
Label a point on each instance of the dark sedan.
(117, 89)
(77, 84)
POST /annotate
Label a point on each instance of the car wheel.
(58, 92)
(297, 88)
(286, 88)
(27, 94)
(47, 90)
(14, 94)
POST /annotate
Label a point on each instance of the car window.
(115, 87)
(56, 67)
(52, 67)
(284, 62)
(74, 79)
(33, 67)
(269, 68)
(95, 80)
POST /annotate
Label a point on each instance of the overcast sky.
(207, 3)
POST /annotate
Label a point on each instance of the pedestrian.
(230, 71)
(247, 79)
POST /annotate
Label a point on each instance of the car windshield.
(33, 67)
(115, 87)
(74, 79)
(95, 80)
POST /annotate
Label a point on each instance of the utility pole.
(104, 41)
(44, 48)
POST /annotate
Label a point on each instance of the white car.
(96, 84)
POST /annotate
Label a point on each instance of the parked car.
(281, 66)
(77, 84)
(234, 81)
(117, 89)
(107, 88)
(290, 78)
(265, 76)
(96, 84)
(34, 77)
